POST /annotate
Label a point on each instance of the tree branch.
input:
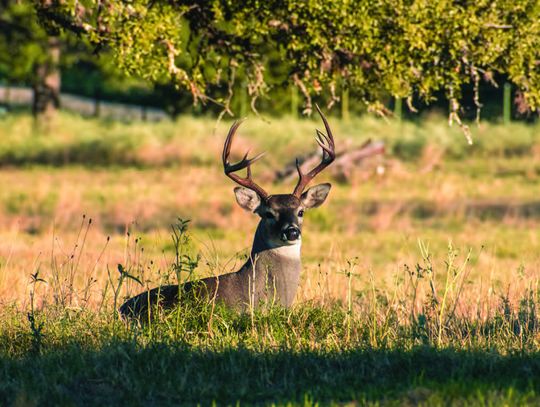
(78, 28)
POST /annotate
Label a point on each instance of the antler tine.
(326, 142)
(228, 141)
(328, 138)
(321, 140)
(245, 162)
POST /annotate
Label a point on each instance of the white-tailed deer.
(272, 273)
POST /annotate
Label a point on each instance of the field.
(419, 284)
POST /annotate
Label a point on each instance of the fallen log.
(347, 160)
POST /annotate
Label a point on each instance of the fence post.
(243, 100)
(294, 101)
(97, 103)
(507, 105)
(97, 107)
(398, 108)
(8, 94)
(345, 104)
(144, 113)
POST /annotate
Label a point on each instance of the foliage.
(23, 41)
(403, 48)
(25, 47)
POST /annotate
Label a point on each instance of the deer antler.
(326, 141)
(245, 162)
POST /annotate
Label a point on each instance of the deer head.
(281, 214)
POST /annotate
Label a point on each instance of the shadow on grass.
(126, 374)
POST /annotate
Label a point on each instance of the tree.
(29, 54)
(404, 48)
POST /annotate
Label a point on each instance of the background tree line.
(277, 56)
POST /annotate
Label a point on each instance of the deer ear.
(247, 199)
(315, 196)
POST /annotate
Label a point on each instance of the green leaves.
(397, 47)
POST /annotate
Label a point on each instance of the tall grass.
(427, 303)
(388, 312)
(393, 345)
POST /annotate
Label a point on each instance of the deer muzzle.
(290, 234)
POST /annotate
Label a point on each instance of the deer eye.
(269, 215)
(301, 213)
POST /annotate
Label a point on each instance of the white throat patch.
(290, 250)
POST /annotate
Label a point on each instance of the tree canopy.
(28, 53)
(403, 48)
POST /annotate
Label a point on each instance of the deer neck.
(274, 266)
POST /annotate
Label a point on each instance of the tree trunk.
(47, 82)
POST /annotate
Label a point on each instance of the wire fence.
(22, 96)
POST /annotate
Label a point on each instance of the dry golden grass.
(42, 228)
(435, 261)
(486, 205)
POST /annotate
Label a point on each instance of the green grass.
(70, 139)
(376, 348)
(428, 322)
(306, 356)
(118, 374)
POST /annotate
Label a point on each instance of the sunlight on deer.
(272, 273)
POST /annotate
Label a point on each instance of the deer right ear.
(247, 199)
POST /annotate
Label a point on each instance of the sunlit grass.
(72, 139)
(419, 285)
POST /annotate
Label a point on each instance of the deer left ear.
(315, 196)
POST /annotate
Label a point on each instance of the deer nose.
(291, 233)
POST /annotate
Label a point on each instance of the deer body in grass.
(272, 272)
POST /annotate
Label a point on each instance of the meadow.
(419, 283)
